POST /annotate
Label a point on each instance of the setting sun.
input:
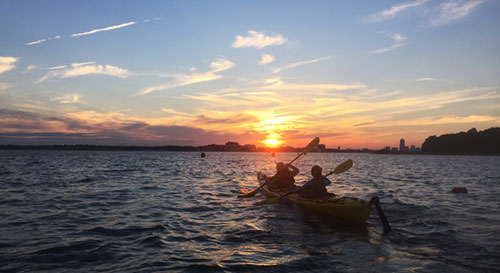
(272, 142)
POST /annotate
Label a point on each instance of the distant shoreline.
(208, 148)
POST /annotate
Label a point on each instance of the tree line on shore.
(470, 142)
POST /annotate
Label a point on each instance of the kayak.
(346, 208)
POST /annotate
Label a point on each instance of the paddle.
(306, 150)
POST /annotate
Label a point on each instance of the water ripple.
(177, 212)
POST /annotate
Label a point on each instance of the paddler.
(314, 188)
(283, 179)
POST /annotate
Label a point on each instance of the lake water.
(176, 212)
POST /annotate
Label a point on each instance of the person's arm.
(326, 181)
(299, 189)
(294, 171)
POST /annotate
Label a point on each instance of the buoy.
(202, 154)
(459, 190)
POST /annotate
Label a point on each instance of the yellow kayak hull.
(341, 207)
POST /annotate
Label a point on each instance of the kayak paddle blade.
(250, 194)
(311, 145)
(343, 167)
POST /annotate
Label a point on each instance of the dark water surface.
(171, 211)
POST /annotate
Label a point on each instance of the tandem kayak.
(346, 208)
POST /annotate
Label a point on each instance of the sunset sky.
(355, 73)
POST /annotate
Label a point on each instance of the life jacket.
(315, 190)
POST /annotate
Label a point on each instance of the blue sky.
(356, 73)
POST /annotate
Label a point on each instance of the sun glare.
(272, 142)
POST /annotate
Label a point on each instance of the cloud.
(68, 98)
(22, 127)
(35, 42)
(235, 119)
(82, 69)
(258, 40)
(395, 10)
(216, 66)
(30, 68)
(452, 11)
(281, 85)
(7, 64)
(425, 79)
(177, 113)
(103, 29)
(57, 67)
(386, 49)
(397, 38)
(43, 40)
(266, 58)
(292, 65)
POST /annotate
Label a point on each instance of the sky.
(357, 74)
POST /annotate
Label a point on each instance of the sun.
(272, 142)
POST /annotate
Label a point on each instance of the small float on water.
(459, 190)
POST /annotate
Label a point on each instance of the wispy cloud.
(35, 42)
(258, 40)
(57, 67)
(82, 69)
(30, 68)
(452, 11)
(395, 10)
(292, 65)
(425, 79)
(266, 58)
(43, 40)
(104, 29)
(186, 79)
(68, 98)
(149, 20)
(174, 112)
(397, 38)
(7, 64)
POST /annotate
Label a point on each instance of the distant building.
(321, 148)
(394, 149)
(401, 145)
(232, 146)
(387, 148)
(250, 147)
(338, 148)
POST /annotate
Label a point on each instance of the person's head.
(316, 171)
(280, 166)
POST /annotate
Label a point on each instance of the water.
(177, 212)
